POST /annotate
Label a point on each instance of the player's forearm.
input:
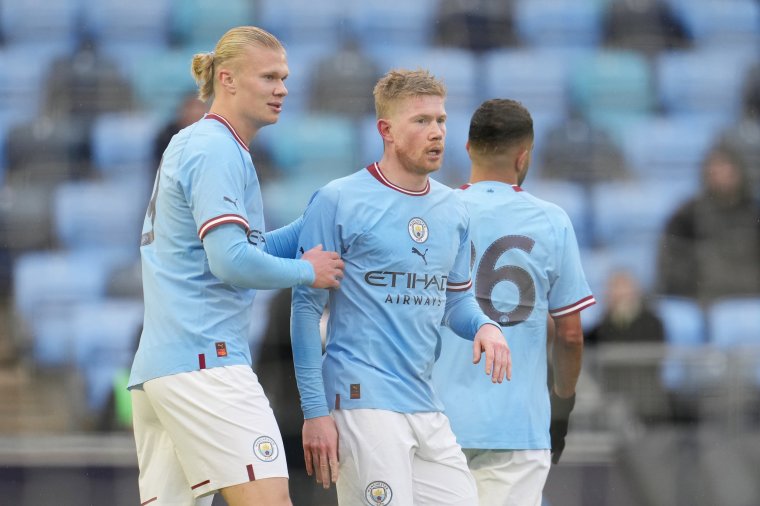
(306, 342)
(567, 356)
(283, 242)
(463, 315)
(235, 261)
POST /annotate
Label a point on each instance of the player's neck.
(402, 177)
(244, 129)
(480, 173)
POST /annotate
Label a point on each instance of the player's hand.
(328, 267)
(490, 340)
(561, 409)
(320, 449)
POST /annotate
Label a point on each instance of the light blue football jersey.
(403, 252)
(526, 264)
(192, 319)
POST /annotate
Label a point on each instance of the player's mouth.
(435, 153)
(275, 106)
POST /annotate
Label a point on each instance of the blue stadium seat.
(124, 140)
(161, 78)
(734, 327)
(370, 144)
(105, 335)
(610, 85)
(706, 81)
(561, 23)
(306, 21)
(455, 170)
(735, 322)
(665, 149)
(200, 23)
(458, 68)
(378, 23)
(313, 142)
(46, 286)
(537, 77)
(99, 215)
(47, 22)
(683, 319)
(631, 212)
(685, 335)
(302, 63)
(731, 25)
(135, 21)
(21, 91)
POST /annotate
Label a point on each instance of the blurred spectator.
(190, 110)
(477, 25)
(66, 154)
(711, 244)
(578, 150)
(86, 83)
(627, 318)
(342, 82)
(744, 136)
(648, 26)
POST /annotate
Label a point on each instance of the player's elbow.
(571, 338)
(222, 270)
(569, 331)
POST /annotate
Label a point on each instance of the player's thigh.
(269, 491)
(222, 426)
(161, 481)
(510, 478)
(375, 451)
(440, 471)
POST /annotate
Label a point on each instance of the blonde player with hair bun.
(202, 422)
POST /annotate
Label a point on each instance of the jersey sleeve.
(459, 279)
(319, 227)
(463, 314)
(283, 242)
(215, 193)
(569, 290)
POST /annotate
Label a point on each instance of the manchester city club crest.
(418, 230)
(265, 449)
(378, 493)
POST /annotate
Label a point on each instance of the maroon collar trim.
(226, 123)
(374, 169)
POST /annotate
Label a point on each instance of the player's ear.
(521, 162)
(384, 127)
(226, 80)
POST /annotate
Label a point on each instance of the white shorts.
(201, 431)
(509, 477)
(400, 459)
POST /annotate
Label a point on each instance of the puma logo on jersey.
(422, 255)
(233, 202)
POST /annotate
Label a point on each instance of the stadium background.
(88, 84)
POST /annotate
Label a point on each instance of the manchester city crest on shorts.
(418, 230)
(378, 493)
(265, 449)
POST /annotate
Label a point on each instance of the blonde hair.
(399, 84)
(231, 46)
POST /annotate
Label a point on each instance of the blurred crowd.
(647, 117)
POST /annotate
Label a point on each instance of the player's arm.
(235, 261)
(320, 435)
(566, 357)
(463, 315)
(567, 353)
(283, 242)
